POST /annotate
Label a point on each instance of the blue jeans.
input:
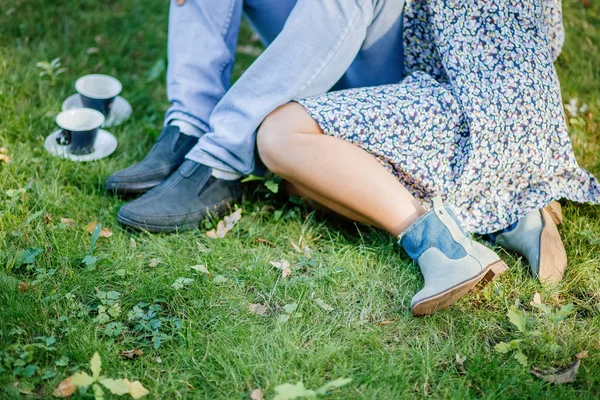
(313, 46)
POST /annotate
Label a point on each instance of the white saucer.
(121, 109)
(106, 144)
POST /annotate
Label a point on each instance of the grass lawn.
(343, 313)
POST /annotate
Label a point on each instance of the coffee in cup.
(98, 91)
(79, 129)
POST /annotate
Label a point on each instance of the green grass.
(221, 350)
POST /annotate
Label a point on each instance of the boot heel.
(553, 257)
(492, 273)
(555, 211)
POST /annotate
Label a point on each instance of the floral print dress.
(479, 118)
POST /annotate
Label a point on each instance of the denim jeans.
(313, 46)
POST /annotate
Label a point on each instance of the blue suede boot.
(536, 237)
(451, 262)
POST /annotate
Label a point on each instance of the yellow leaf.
(82, 379)
(67, 221)
(582, 354)
(136, 390)
(232, 219)
(225, 225)
(258, 309)
(104, 232)
(201, 268)
(65, 388)
(98, 393)
(154, 262)
(131, 354)
(257, 394)
(96, 365)
(116, 386)
(284, 266)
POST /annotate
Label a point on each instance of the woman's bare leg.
(345, 178)
(319, 203)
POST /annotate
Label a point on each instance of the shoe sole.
(553, 257)
(133, 189)
(555, 211)
(137, 226)
(155, 228)
(450, 296)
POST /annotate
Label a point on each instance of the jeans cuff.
(201, 126)
(204, 158)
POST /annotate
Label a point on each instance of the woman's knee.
(271, 138)
(276, 132)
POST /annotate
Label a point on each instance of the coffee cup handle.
(64, 137)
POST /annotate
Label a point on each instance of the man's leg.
(380, 60)
(267, 17)
(201, 48)
(319, 42)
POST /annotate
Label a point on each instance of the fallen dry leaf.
(154, 262)
(136, 389)
(257, 394)
(459, 363)
(559, 376)
(23, 287)
(98, 66)
(582, 354)
(131, 354)
(258, 309)
(202, 247)
(384, 323)
(225, 225)
(255, 38)
(537, 299)
(22, 390)
(3, 150)
(284, 266)
(104, 232)
(65, 388)
(4, 158)
(67, 221)
(201, 268)
(48, 219)
(304, 249)
(323, 305)
(250, 50)
(265, 241)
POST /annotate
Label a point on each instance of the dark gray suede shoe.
(167, 154)
(182, 201)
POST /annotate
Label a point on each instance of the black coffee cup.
(98, 91)
(79, 129)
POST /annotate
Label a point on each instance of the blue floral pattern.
(479, 118)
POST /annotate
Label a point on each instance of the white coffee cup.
(79, 129)
(98, 91)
